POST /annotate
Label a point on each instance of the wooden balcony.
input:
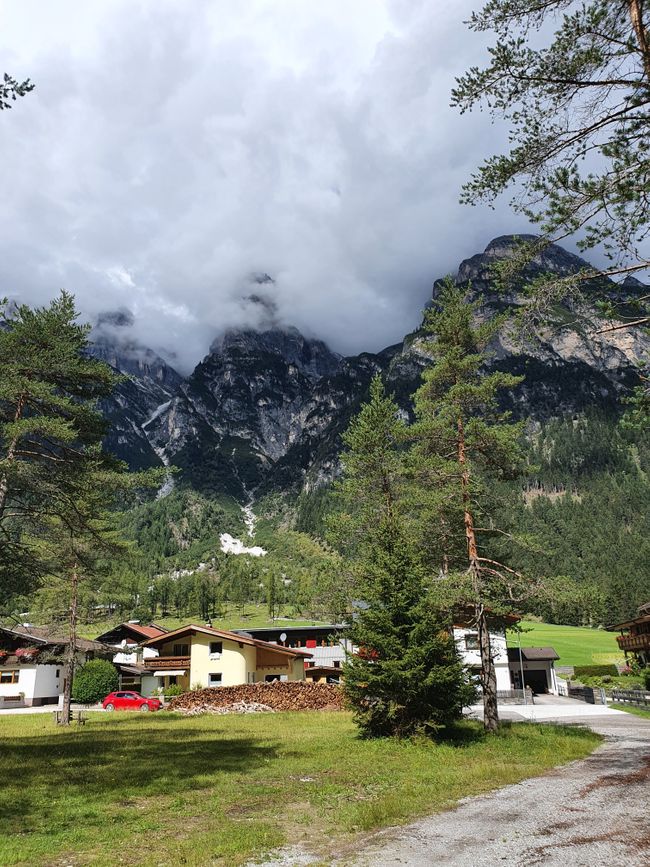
(634, 642)
(163, 663)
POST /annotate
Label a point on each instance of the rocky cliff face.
(147, 388)
(265, 409)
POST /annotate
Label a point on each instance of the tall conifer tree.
(460, 441)
(407, 676)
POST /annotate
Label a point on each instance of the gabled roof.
(140, 632)
(192, 628)
(42, 635)
(532, 654)
(637, 621)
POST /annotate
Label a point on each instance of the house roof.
(326, 627)
(45, 635)
(532, 654)
(637, 621)
(139, 631)
(192, 628)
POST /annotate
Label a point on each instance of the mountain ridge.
(264, 410)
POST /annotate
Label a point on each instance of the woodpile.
(276, 696)
(237, 707)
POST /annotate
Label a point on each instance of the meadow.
(165, 789)
(576, 645)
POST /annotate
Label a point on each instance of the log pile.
(237, 707)
(277, 696)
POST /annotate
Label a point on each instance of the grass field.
(167, 790)
(576, 645)
(637, 711)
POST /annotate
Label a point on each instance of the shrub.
(94, 681)
(173, 690)
(646, 677)
(595, 670)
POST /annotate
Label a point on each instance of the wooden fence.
(637, 697)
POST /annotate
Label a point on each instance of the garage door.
(536, 680)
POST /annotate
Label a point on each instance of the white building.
(32, 672)
(467, 642)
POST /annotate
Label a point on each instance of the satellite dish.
(283, 636)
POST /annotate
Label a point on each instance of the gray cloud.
(173, 149)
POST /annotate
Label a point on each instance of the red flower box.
(26, 652)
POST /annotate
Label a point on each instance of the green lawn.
(576, 645)
(163, 789)
(637, 711)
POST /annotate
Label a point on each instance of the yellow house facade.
(200, 656)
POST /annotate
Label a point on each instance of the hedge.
(595, 670)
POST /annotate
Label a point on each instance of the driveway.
(48, 708)
(591, 813)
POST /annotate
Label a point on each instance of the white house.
(31, 665)
(467, 642)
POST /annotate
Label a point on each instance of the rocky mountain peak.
(553, 259)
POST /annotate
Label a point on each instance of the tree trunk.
(72, 647)
(11, 452)
(636, 15)
(488, 673)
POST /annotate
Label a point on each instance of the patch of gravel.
(590, 813)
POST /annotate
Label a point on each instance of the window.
(471, 641)
(9, 676)
(216, 649)
(214, 679)
(181, 650)
(58, 673)
(337, 663)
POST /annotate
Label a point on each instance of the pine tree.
(572, 78)
(407, 676)
(460, 442)
(48, 426)
(56, 482)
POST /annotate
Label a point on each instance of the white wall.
(472, 658)
(37, 682)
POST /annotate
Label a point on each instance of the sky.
(175, 150)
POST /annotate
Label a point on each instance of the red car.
(130, 701)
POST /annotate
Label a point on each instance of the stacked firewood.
(237, 707)
(277, 696)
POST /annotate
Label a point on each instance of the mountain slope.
(264, 410)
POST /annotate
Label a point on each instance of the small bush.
(94, 681)
(595, 670)
(174, 689)
(646, 677)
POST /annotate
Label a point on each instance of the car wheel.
(110, 706)
(144, 707)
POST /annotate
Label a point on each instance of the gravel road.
(592, 813)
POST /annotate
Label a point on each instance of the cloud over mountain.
(174, 150)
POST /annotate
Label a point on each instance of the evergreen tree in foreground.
(407, 676)
(56, 483)
(461, 441)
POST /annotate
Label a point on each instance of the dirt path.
(592, 812)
